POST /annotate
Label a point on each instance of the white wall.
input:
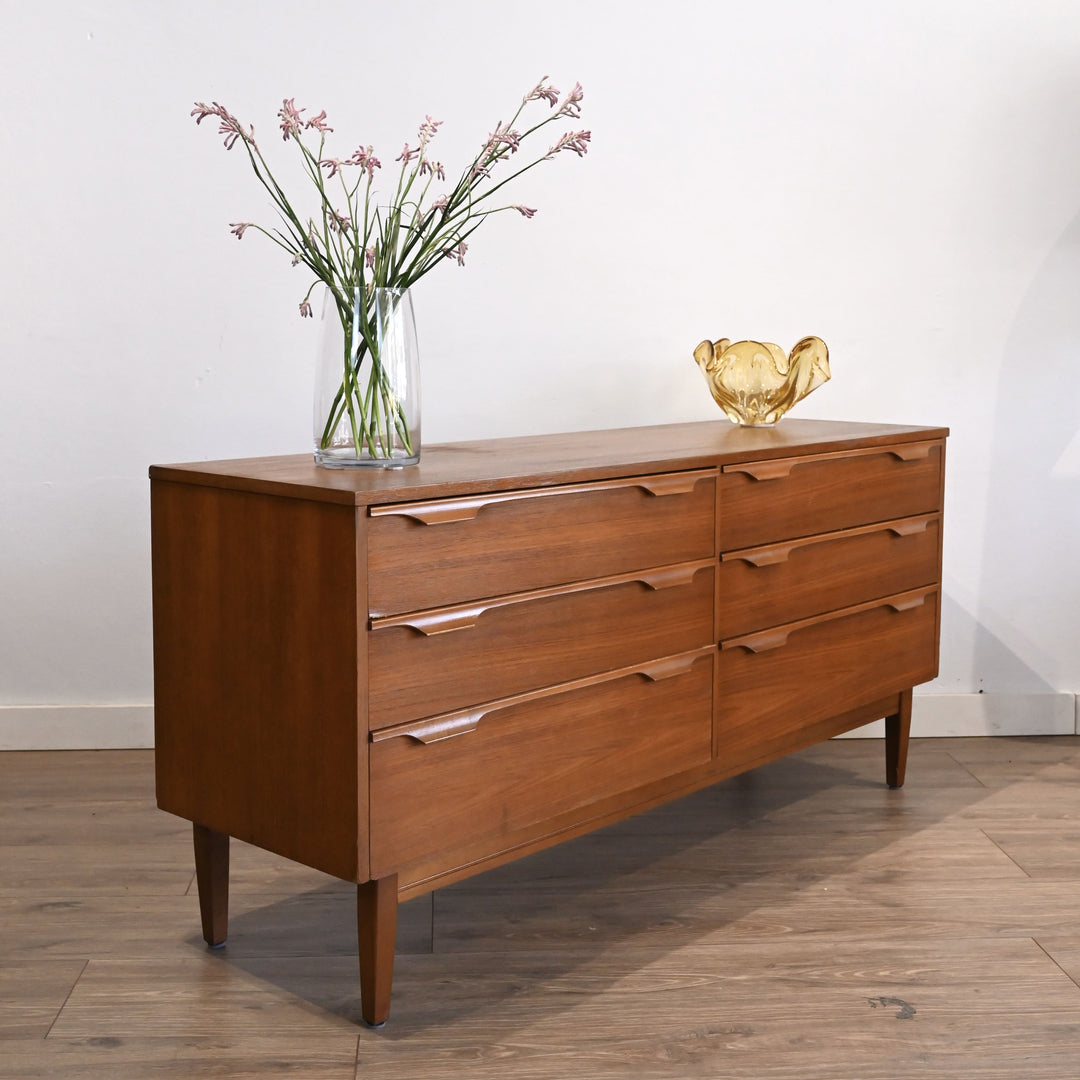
(902, 178)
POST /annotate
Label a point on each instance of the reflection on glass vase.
(367, 380)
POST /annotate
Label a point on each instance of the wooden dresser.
(403, 677)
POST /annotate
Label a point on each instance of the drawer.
(795, 579)
(440, 552)
(764, 501)
(773, 683)
(458, 779)
(448, 658)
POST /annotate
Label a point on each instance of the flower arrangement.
(356, 244)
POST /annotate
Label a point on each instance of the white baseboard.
(122, 727)
(76, 727)
(1004, 713)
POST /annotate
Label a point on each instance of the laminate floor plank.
(114, 927)
(331, 1057)
(77, 776)
(147, 869)
(795, 923)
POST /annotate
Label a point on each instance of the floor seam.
(1049, 956)
(1007, 855)
(67, 998)
(966, 769)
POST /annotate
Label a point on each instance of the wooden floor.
(798, 922)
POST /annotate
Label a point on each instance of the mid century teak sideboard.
(403, 677)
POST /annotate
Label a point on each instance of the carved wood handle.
(911, 526)
(669, 667)
(446, 726)
(776, 636)
(767, 470)
(912, 451)
(773, 554)
(765, 641)
(436, 729)
(463, 616)
(765, 556)
(779, 468)
(908, 603)
(446, 511)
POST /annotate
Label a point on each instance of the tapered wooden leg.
(212, 876)
(376, 924)
(897, 730)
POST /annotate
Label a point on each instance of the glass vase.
(367, 380)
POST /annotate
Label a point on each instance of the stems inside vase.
(371, 410)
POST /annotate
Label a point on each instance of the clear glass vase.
(367, 380)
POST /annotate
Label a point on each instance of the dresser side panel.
(255, 668)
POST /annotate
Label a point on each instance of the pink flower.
(457, 253)
(428, 129)
(340, 222)
(319, 123)
(305, 309)
(202, 111)
(524, 211)
(540, 92)
(230, 127)
(575, 141)
(238, 228)
(569, 107)
(369, 258)
(503, 136)
(440, 203)
(406, 154)
(331, 165)
(364, 157)
(289, 115)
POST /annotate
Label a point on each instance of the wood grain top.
(540, 460)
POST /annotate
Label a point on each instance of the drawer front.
(453, 657)
(795, 579)
(551, 754)
(423, 555)
(765, 501)
(778, 681)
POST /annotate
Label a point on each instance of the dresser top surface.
(540, 460)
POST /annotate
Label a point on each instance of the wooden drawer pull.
(463, 616)
(670, 577)
(910, 526)
(440, 621)
(671, 484)
(448, 725)
(912, 451)
(442, 513)
(768, 556)
(765, 470)
(447, 511)
(780, 553)
(669, 667)
(908, 603)
(780, 468)
(436, 729)
(776, 636)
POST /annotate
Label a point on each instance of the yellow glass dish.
(755, 383)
